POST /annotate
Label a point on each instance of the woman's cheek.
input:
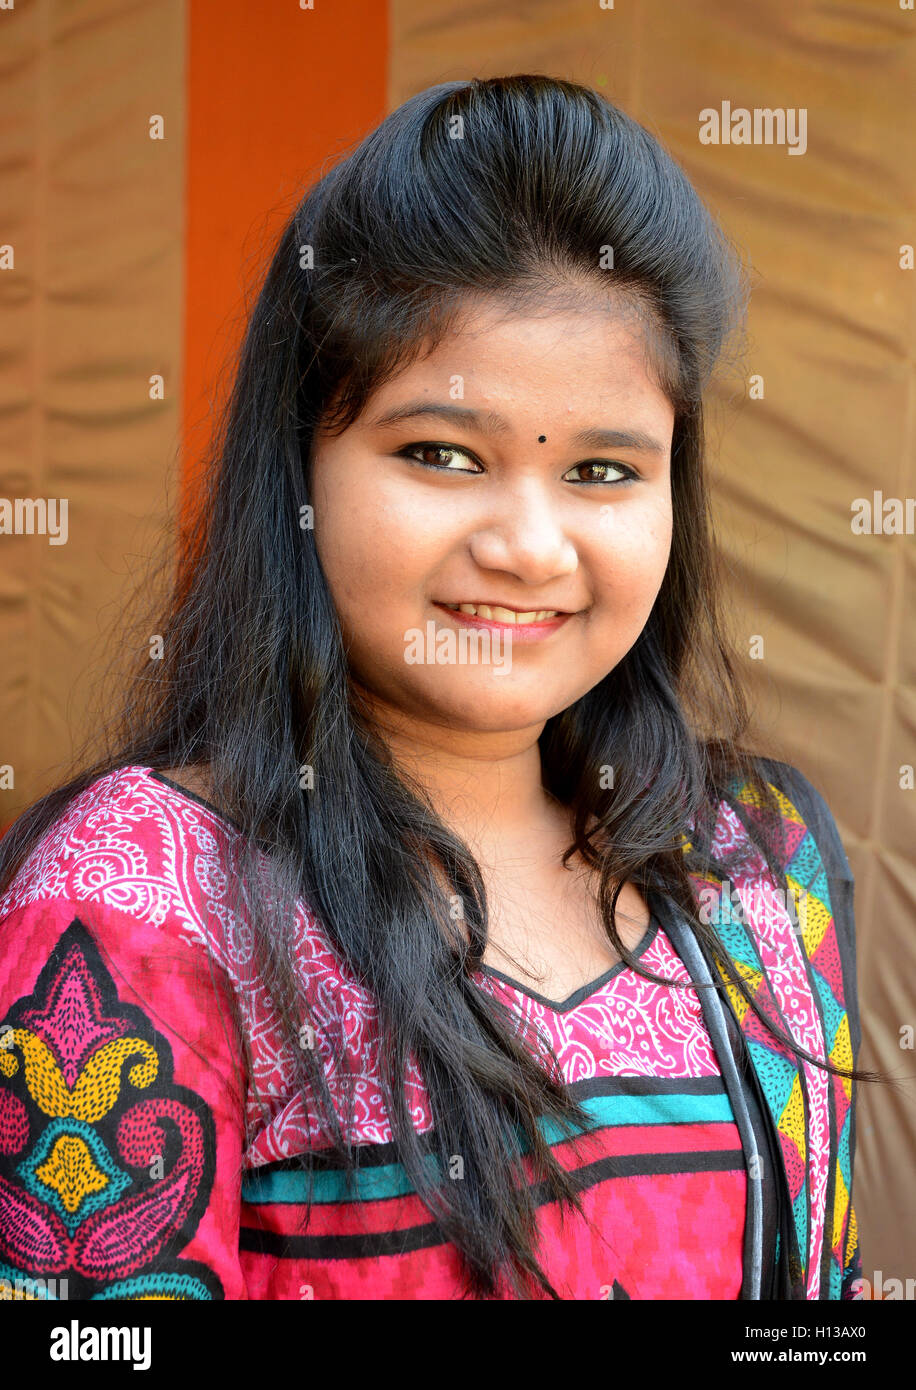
(634, 567)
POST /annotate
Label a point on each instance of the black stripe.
(648, 1086)
(373, 1245)
(380, 1155)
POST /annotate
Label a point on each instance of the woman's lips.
(521, 632)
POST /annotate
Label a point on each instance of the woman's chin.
(499, 711)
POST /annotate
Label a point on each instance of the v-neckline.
(585, 991)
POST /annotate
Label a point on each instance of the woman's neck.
(486, 786)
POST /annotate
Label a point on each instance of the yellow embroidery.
(840, 1203)
(792, 1119)
(750, 797)
(749, 976)
(813, 917)
(71, 1171)
(98, 1085)
(852, 1236)
(841, 1055)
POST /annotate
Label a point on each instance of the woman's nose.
(524, 534)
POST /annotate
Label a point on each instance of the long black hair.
(516, 186)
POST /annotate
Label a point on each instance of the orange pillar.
(276, 93)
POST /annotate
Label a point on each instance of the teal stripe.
(329, 1186)
(650, 1110)
(390, 1180)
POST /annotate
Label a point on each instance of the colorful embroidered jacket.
(795, 948)
(135, 1161)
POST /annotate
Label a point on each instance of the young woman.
(428, 930)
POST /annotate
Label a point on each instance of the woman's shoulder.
(819, 881)
(113, 1020)
(810, 828)
(135, 842)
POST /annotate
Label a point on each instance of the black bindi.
(541, 438)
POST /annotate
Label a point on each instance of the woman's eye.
(433, 455)
(605, 472)
(442, 456)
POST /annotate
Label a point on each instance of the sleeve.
(121, 1110)
(841, 884)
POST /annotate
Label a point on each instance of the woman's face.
(524, 511)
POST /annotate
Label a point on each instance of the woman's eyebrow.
(489, 422)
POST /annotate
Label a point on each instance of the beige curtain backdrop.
(93, 210)
(831, 331)
(93, 310)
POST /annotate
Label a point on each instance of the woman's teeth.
(501, 615)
